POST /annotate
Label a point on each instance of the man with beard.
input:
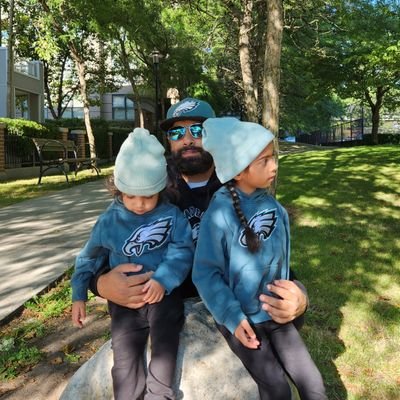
(192, 174)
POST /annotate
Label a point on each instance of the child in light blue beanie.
(243, 245)
(139, 227)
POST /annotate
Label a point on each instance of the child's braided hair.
(252, 240)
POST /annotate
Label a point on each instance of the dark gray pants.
(130, 330)
(282, 349)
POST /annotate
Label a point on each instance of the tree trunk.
(123, 56)
(272, 60)
(272, 73)
(375, 111)
(10, 63)
(47, 90)
(81, 69)
(250, 93)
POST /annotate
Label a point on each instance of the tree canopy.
(319, 53)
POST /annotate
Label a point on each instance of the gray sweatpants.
(130, 330)
(281, 350)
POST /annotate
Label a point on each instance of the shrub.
(383, 138)
(23, 127)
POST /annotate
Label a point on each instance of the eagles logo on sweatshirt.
(151, 236)
(262, 223)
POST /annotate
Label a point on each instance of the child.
(243, 245)
(139, 227)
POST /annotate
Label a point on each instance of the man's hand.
(292, 304)
(154, 291)
(245, 334)
(126, 291)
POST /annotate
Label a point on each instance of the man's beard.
(198, 164)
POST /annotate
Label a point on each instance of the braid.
(252, 240)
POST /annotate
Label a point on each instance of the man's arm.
(292, 304)
(116, 286)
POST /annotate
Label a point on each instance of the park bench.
(56, 154)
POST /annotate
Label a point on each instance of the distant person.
(244, 246)
(192, 174)
(139, 227)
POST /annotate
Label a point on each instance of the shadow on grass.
(344, 207)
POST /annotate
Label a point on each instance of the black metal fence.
(19, 152)
(350, 133)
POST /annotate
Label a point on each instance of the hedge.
(383, 138)
(23, 127)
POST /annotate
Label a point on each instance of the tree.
(60, 82)
(10, 60)
(70, 22)
(366, 50)
(272, 59)
(307, 95)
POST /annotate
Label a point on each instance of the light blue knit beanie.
(140, 166)
(233, 144)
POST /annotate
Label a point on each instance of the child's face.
(140, 204)
(260, 173)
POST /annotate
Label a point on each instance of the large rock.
(206, 369)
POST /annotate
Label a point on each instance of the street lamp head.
(155, 55)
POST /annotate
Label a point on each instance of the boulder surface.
(206, 368)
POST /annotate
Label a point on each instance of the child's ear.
(238, 177)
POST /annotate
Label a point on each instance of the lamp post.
(156, 56)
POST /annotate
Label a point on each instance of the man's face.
(187, 151)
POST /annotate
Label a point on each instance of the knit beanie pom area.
(140, 166)
(233, 144)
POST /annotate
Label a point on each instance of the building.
(27, 89)
(113, 107)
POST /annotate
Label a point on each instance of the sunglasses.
(178, 132)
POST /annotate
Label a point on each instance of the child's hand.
(78, 313)
(155, 291)
(245, 334)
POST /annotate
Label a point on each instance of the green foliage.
(360, 55)
(383, 138)
(100, 131)
(23, 127)
(16, 353)
(54, 302)
(72, 357)
(15, 356)
(119, 135)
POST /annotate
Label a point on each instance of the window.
(21, 106)
(122, 108)
(73, 112)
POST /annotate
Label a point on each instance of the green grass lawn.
(345, 218)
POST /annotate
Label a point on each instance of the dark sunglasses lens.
(196, 131)
(176, 133)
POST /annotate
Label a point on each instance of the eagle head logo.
(262, 223)
(185, 107)
(149, 236)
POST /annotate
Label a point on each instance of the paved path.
(40, 238)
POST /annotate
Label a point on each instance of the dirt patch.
(65, 347)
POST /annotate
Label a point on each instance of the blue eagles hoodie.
(228, 277)
(160, 240)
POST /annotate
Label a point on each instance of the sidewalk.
(40, 238)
